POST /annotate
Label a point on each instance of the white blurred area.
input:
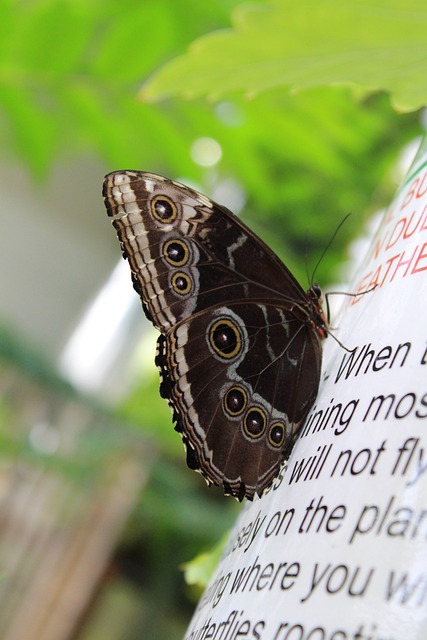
(64, 288)
(95, 345)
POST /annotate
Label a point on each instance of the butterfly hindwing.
(240, 398)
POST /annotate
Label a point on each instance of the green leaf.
(370, 45)
(199, 570)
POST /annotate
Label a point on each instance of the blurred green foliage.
(70, 76)
(70, 72)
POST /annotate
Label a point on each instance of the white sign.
(337, 549)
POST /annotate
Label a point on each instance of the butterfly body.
(240, 345)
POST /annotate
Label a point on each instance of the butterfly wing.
(187, 253)
(239, 352)
(241, 378)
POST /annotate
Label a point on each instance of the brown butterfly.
(240, 341)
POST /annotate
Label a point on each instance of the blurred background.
(98, 511)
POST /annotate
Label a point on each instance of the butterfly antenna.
(331, 240)
(307, 273)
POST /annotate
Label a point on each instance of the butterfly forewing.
(240, 348)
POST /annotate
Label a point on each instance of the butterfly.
(239, 350)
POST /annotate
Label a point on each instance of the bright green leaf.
(199, 570)
(372, 45)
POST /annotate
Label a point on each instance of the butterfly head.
(318, 318)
